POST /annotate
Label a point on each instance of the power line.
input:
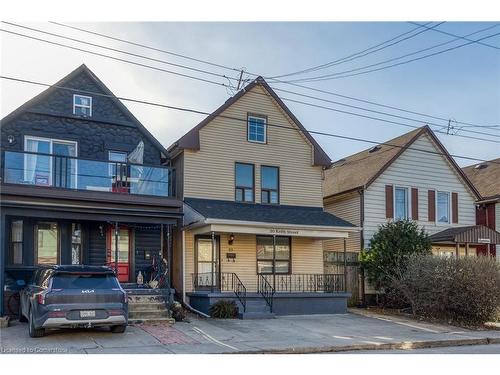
(344, 74)
(184, 109)
(457, 36)
(362, 53)
(230, 86)
(274, 79)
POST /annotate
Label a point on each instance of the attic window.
(82, 105)
(481, 166)
(374, 149)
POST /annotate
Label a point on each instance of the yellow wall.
(438, 249)
(307, 257)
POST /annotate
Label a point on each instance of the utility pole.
(239, 80)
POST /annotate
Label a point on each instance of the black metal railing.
(221, 282)
(31, 168)
(266, 290)
(306, 283)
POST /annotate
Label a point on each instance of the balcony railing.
(29, 168)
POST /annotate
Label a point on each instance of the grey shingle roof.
(281, 214)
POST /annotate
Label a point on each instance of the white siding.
(209, 172)
(424, 171)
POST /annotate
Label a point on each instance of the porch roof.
(475, 234)
(226, 216)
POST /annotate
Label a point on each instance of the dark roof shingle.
(485, 177)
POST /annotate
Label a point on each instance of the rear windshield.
(70, 281)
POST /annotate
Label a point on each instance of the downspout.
(187, 305)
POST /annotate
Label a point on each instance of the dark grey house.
(82, 182)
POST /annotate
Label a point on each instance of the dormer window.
(82, 105)
(257, 129)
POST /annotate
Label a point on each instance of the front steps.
(147, 306)
(256, 308)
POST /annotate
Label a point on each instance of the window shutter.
(389, 209)
(414, 203)
(432, 205)
(454, 208)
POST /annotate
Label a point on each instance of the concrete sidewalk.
(293, 334)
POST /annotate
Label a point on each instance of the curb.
(407, 345)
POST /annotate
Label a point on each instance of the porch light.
(231, 239)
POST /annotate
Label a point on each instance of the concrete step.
(146, 299)
(151, 320)
(148, 314)
(142, 306)
(256, 315)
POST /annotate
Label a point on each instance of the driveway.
(284, 334)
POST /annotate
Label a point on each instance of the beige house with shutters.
(250, 177)
(409, 177)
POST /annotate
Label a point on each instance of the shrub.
(178, 312)
(389, 250)
(223, 309)
(464, 290)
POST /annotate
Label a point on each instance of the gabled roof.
(62, 82)
(358, 171)
(485, 177)
(191, 140)
(473, 234)
(265, 213)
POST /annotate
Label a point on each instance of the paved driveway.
(294, 333)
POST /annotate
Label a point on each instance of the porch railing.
(223, 282)
(306, 283)
(31, 168)
(266, 290)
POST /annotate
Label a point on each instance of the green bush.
(389, 250)
(178, 312)
(464, 290)
(223, 309)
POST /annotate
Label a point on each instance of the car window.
(92, 281)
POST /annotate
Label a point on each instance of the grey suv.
(73, 296)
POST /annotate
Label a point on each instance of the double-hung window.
(400, 203)
(269, 182)
(257, 129)
(244, 182)
(273, 255)
(443, 207)
(82, 105)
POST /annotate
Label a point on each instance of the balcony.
(37, 169)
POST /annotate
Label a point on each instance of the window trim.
(408, 201)
(437, 222)
(11, 248)
(81, 105)
(278, 188)
(236, 187)
(274, 256)
(260, 117)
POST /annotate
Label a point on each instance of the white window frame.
(449, 208)
(51, 152)
(265, 128)
(81, 105)
(112, 163)
(408, 201)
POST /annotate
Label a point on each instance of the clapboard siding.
(424, 171)
(145, 239)
(347, 207)
(209, 172)
(307, 257)
(96, 246)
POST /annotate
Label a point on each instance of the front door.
(207, 254)
(123, 251)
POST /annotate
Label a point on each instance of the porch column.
(274, 261)
(345, 265)
(117, 231)
(466, 249)
(457, 250)
(214, 264)
(3, 249)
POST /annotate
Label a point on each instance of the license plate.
(87, 314)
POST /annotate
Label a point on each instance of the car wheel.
(34, 332)
(22, 318)
(118, 329)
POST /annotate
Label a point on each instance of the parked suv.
(73, 296)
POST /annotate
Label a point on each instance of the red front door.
(123, 251)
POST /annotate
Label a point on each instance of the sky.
(460, 85)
